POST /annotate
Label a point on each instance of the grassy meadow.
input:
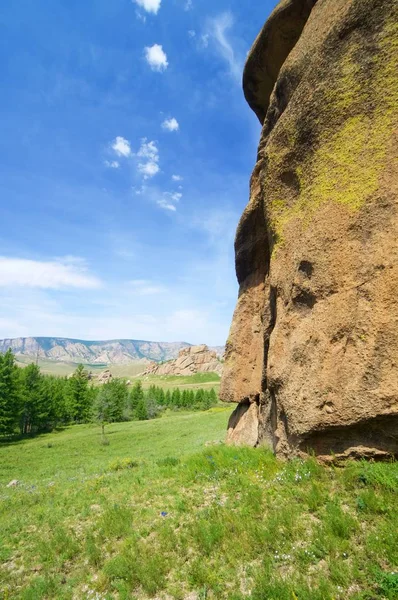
(63, 369)
(128, 372)
(164, 510)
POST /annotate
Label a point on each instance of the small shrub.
(120, 464)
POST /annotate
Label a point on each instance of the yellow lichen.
(347, 165)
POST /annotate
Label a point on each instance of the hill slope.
(110, 352)
(90, 352)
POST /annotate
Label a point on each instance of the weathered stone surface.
(105, 377)
(243, 425)
(195, 359)
(314, 340)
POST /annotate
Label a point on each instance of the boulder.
(195, 359)
(314, 338)
(105, 377)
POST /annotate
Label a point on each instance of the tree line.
(31, 402)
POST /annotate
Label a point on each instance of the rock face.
(196, 359)
(105, 377)
(314, 339)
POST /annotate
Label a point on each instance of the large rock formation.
(196, 359)
(312, 356)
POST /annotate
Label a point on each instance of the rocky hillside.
(313, 349)
(108, 352)
(196, 359)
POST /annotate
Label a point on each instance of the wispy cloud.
(150, 6)
(149, 155)
(112, 164)
(218, 29)
(156, 58)
(164, 199)
(177, 178)
(56, 275)
(166, 205)
(170, 125)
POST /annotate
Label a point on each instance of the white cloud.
(176, 196)
(69, 272)
(122, 147)
(149, 167)
(156, 58)
(218, 28)
(166, 205)
(192, 33)
(188, 5)
(151, 6)
(143, 287)
(170, 124)
(112, 164)
(148, 170)
(169, 201)
(177, 178)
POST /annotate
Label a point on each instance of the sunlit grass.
(167, 511)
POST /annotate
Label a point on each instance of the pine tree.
(136, 396)
(185, 399)
(10, 394)
(80, 396)
(168, 398)
(176, 398)
(36, 401)
(199, 398)
(120, 395)
(206, 403)
(59, 399)
(213, 397)
(161, 398)
(141, 411)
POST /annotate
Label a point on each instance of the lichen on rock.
(314, 339)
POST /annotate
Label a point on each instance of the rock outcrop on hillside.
(196, 359)
(312, 357)
(105, 377)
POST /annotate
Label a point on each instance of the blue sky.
(126, 149)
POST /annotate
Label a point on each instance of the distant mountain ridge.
(95, 352)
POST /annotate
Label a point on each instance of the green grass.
(63, 369)
(167, 511)
(129, 372)
(190, 382)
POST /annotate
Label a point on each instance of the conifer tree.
(185, 399)
(80, 396)
(35, 401)
(10, 394)
(161, 398)
(213, 397)
(136, 396)
(176, 398)
(141, 411)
